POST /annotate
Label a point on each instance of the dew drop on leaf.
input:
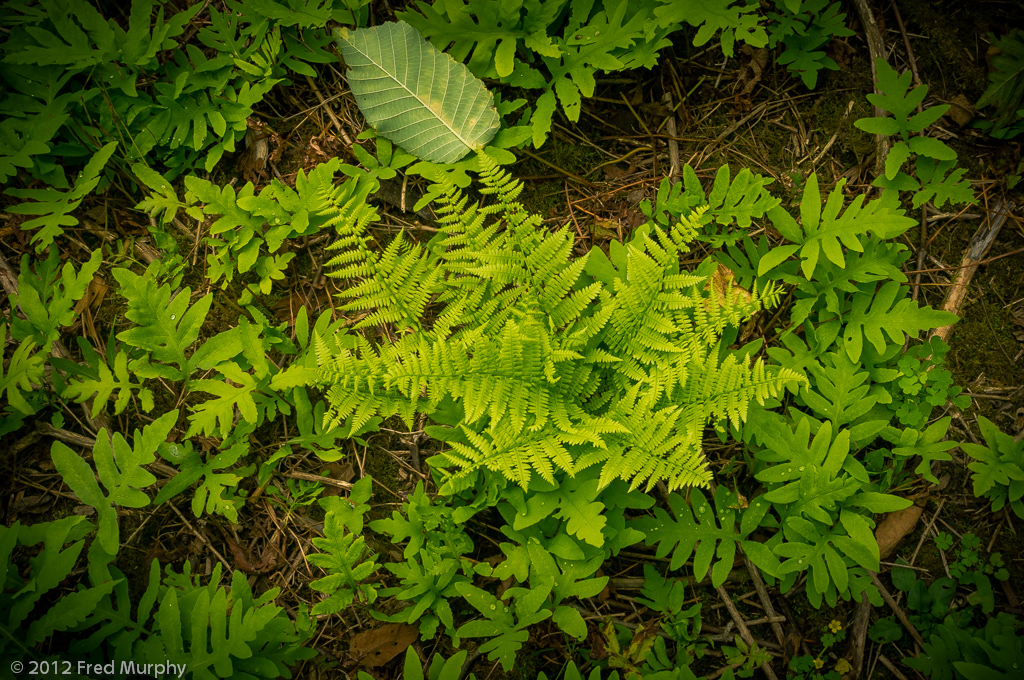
(172, 317)
(801, 468)
(492, 607)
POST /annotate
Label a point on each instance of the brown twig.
(48, 430)
(330, 112)
(876, 48)
(673, 144)
(973, 258)
(575, 178)
(307, 477)
(741, 626)
(202, 538)
(762, 594)
(928, 528)
(923, 239)
(858, 637)
(892, 667)
(910, 52)
(706, 151)
(900, 614)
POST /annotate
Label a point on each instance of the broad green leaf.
(891, 314)
(415, 95)
(826, 231)
(933, 148)
(164, 327)
(54, 206)
(24, 369)
(119, 467)
(46, 295)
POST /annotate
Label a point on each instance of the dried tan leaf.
(961, 110)
(377, 646)
(342, 473)
(895, 527)
(791, 643)
(242, 561)
(34, 504)
(272, 556)
(90, 302)
(754, 62)
(723, 283)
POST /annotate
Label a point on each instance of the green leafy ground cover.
(282, 399)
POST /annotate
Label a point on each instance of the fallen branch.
(876, 48)
(741, 626)
(982, 241)
(858, 637)
(900, 614)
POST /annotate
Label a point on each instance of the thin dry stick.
(762, 593)
(673, 144)
(922, 251)
(876, 48)
(330, 112)
(928, 528)
(305, 476)
(892, 667)
(980, 244)
(858, 637)
(896, 610)
(575, 178)
(910, 51)
(835, 135)
(202, 538)
(724, 669)
(742, 627)
(923, 239)
(65, 436)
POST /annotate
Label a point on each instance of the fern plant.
(550, 372)
(345, 548)
(72, 76)
(998, 468)
(847, 326)
(804, 28)
(937, 178)
(212, 631)
(46, 296)
(1005, 89)
(54, 207)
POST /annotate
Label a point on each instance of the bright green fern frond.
(642, 326)
(398, 284)
(662, 444)
(357, 377)
(545, 362)
(725, 389)
(505, 378)
(498, 182)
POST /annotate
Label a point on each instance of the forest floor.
(747, 112)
